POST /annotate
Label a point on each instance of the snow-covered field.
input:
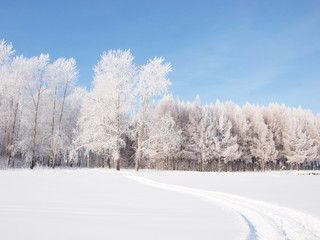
(105, 204)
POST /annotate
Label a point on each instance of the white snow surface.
(105, 204)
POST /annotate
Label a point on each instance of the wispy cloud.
(244, 58)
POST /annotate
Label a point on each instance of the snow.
(105, 204)
(264, 220)
(293, 189)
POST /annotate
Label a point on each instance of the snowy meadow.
(100, 203)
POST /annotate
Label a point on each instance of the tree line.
(46, 120)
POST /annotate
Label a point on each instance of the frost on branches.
(104, 119)
(35, 102)
(152, 81)
(46, 120)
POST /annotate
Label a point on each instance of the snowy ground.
(105, 204)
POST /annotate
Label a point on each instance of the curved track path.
(265, 221)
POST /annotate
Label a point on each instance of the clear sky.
(245, 51)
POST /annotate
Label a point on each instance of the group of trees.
(227, 137)
(46, 120)
(39, 105)
(117, 109)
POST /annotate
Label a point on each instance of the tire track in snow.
(264, 220)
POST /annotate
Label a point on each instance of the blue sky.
(245, 51)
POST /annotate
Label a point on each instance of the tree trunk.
(108, 163)
(88, 161)
(262, 166)
(137, 157)
(117, 163)
(220, 164)
(53, 165)
(10, 139)
(35, 128)
(136, 167)
(53, 154)
(173, 164)
(62, 106)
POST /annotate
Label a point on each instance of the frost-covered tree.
(104, 119)
(240, 128)
(181, 114)
(226, 146)
(300, 146)
(277, 119)
(60, 76)
(36, 89)
(203, 133)
(6, 51)
(163, 140)
(261, 146)
(22, 99)
(13, 103)
(152, 82)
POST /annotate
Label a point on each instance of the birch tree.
(163, 140)
(60, 76)
(15, 97)
(104, 117)
(36, 90)
(152, 82)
